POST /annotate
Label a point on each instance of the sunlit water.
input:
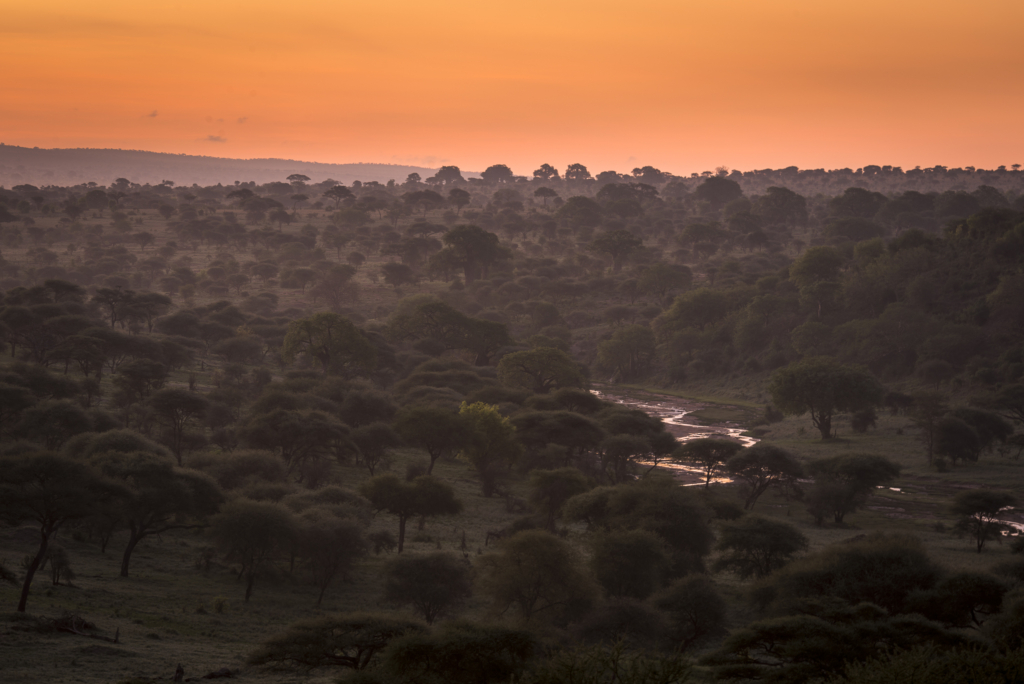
(674, 415)
(673, 412)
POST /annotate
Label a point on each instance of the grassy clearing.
(717, 395)
(166, 612)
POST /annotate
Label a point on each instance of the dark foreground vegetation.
(303, 431)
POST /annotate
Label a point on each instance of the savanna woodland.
(403, 432)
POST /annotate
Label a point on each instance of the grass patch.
(698, 395)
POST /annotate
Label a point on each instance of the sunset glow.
(681, 85)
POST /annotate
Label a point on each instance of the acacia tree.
(329, 544)
(160, 497)
(696, 611)
(710, 455)
(824, 387)
(762, 466)
(490, 445)
(535, 572)
(842, 484)
(458, 198)
(434, 584)
(337, 193)
(346, 640)
(332, 340)
(550, 489)
(435, 430)
(300, 437)
(473, 249)
(49, 491)
(618, 244)
(756, 546)
(253, 533)
(629, 352)
(540, 370)
(978, 510)
(424, 497)
(177, 408)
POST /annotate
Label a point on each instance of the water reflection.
(673, 412)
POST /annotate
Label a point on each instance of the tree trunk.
(133, 540)
(825, 426)
(31, 571)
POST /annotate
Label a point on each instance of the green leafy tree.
(782, 205)
(580, 212)
(550, 489)
(824, 387)
(755, 547)
(437, 431)
(964, 600)
(329, 545)
(434, 585)
(540, 370)
(718, 191)
(842, 484)
(656, 504)
(375, 440)
(458, 198)
(491, 445)
(337, 194)
(53, 422)
(460, 653)
(474, 250)
(426, 317)
(538, 575)
(956, 440)
(332, 340)
(423, 497)
(629, 563)
(817, 264)
(577, 434)
(813, 647)
(886, 570)
(498, 173)
(300, 437)
(629, 352)
(694, 309)
(696, 611)
(396, 275)
(618, 244)
(253, 533)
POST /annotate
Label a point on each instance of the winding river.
(673, 411)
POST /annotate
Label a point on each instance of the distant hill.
(73, 166)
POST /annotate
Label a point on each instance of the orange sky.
(682, 85)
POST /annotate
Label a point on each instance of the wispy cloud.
(152, 114)
(242, 119)
(216, 138)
